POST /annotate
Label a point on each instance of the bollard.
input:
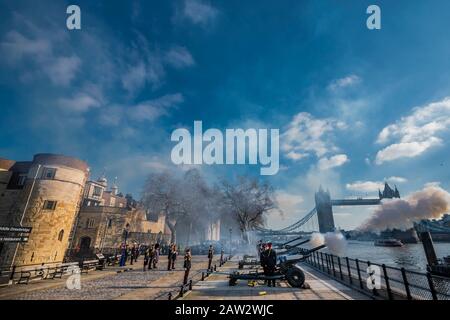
(190, 284)
(182, 291)
(203, 276)
(215, 268)
(170, 295)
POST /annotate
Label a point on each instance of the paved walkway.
(321, 288)
(109, 284)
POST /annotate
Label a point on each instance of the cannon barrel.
(294, 246)
(295, 239)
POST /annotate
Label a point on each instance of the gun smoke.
(429, 203)
(335, 241)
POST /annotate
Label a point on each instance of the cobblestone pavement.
(150, 284)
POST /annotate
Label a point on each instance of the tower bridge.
(324, 211)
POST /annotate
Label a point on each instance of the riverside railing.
(381, 281)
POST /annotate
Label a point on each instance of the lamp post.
(231, 230)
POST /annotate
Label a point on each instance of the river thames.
(410, 256)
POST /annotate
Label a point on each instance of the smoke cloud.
(430, 203)
(335, 242)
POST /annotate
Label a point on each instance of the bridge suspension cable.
(293, 226)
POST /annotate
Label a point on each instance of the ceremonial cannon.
(286, 268)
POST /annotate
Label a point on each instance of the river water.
(410, 256)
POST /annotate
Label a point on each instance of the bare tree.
(188, 199)
(248, 200)
(162, 195)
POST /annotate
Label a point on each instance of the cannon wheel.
(295, 277)
(241, 266)
(232, 282)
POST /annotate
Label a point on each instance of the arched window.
(61, 235)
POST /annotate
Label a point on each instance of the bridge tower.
(324, 211)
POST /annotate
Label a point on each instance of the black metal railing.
(381, 281)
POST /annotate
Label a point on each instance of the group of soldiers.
(151, 256)
(268, 260)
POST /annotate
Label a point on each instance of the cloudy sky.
(354, 107)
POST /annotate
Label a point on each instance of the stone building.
(107, 219)
(44, 194)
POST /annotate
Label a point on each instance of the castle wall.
(51, 227)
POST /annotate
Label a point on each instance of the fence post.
(170, 295)
(182, 291)
(203, 276)
(405, 282)
(332, 265)
(388, 286)
(359, 274)
(327, 259)
(190, 284)
(215, 268)
(432, 288)
(348, 270)
(340, 268)
(321, 258)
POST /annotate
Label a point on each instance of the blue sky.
(354, 107)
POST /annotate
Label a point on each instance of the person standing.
(174, 255)
(156, 256)
(270, 262)
(132, 254)
(169, 256)
(146, 258)
(210, 256)
(123, 256)
(187, 264)
(151, 256)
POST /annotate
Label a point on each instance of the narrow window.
(61, 235)
(48, 173)
(49, 205)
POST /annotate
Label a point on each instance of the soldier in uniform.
(151, 256)
(174, 255)
(169, 256)
(210, 256)
(187, 264)
(269, 262)
(156, 256)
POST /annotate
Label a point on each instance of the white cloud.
(153, 109)
(365, 186)
(307, 135)
(331, 162)
(371, 186)
(405, 150)
(414, 134)
(199, 12)
(432, 184)
(347, 81)
(18, 48)
(395, 179)
(179, 57)
(63, 70)
(81, 102)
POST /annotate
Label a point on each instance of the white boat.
(388, 243)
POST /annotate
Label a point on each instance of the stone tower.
(324, 211)
(43, 194)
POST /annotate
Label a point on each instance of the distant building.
(388, 192)
(44, 194)
(51, 195)
(107, 218)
